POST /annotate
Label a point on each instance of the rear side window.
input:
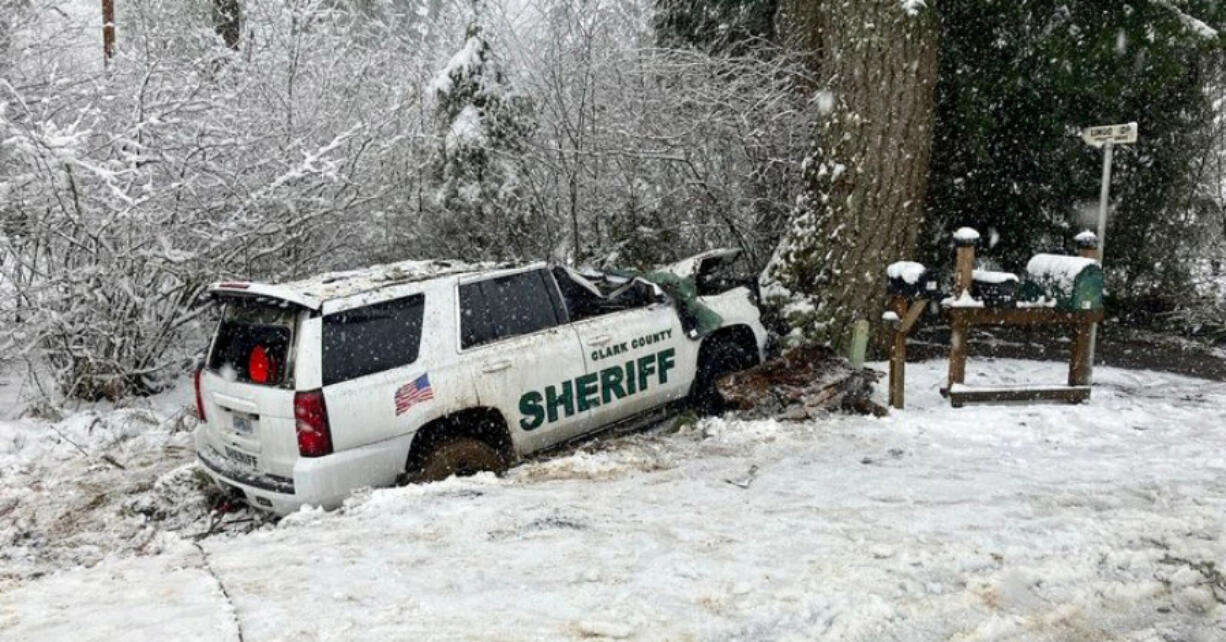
(372, 338)
(505, 307)
(252, 343)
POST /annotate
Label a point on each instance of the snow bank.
(172, 590)
(100, 482)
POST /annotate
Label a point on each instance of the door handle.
(599, 340)
(496, 366)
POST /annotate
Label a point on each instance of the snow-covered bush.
(645, 154)
(127, 191)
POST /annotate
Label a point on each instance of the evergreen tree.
(483, 127)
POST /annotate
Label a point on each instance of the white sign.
(1115, 134)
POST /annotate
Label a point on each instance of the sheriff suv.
(420, 370)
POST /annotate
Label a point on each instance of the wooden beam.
(1022, 316)
(898, 354)
(912, 315)
(959, 332)
(960, 395)
(965, 268)
(1080, 364)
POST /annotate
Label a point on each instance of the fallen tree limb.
(802, 384)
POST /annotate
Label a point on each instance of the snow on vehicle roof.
(687, 267)
(334, 285)
(313, 291)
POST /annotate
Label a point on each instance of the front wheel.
(459, 456)
(718, 360)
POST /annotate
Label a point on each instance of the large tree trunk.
(865, 178)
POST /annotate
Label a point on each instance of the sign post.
(1106, 137)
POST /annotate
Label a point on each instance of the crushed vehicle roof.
(311, 292)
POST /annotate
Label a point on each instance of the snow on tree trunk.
(865, 178)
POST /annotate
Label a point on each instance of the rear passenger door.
(523, 358)
(368, 354)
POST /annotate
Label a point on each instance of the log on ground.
(802, 384)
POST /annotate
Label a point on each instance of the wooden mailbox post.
(963, 311)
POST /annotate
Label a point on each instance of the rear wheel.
(716, 361)
(459, 456)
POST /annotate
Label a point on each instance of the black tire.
(459, 456)
(716, 361)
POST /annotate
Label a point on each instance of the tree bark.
(865, 178)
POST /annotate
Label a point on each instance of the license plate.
(242, 425)
(241, 457)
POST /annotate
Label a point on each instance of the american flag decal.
(413, 393)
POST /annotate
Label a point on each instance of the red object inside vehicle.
(261, 367)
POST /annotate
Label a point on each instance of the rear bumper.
(317, 481)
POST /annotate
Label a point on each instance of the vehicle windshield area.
(598, 294)
(252, 343)
(718, 274)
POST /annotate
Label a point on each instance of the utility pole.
(108, 31)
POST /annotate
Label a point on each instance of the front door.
(522, 360)
(638, 359)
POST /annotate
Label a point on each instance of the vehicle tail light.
(311, 422)
(199, 395)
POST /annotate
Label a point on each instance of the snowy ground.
(1101, 521)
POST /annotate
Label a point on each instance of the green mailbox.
(1063, 282)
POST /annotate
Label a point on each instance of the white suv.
(420, 370)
